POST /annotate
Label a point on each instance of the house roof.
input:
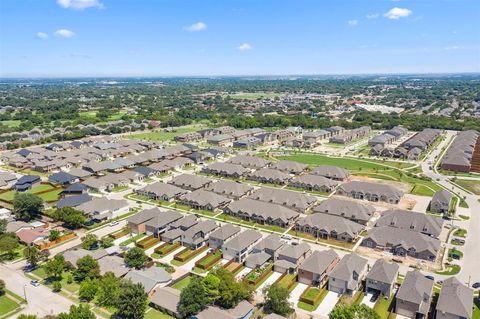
(372, 188)
(229, 188)
(383, 271)
(265, 210)
(455, 298)
(162, 189)
(226, 168)
(143, 216)
(242, 241)
(73, 201)
(149, 277)
(290, 199)
(114, 264)
(77, 187)
(166, 298)
(271, 242)
(289, 166)
(294, 251)
(331, 223)
(204, 198)
(225, 232)
(347, 267)
(258, 259)
(405, 219)
(415, 289)
(161, 219)
(330, 171)
(249, 161)
(190, 181)
(345, 208)
(319, 261)
(442, 196)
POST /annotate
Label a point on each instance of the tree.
(32, 255)
(106, 242)
(135, 258)
(86, 267)
(72, 217)
(22, 316)
(54, 267)
(81, 311)
(3, 226)
(8, 244)
(88, 289)
(89, 241)
(57, 286)
(54, 235)
(231, 292)
(27, 206)
(2, 287)
(132, 301)
(353, 312)
(193, 298)
(276, 300)
(108, 290)
(211, 284)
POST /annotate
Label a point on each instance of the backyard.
(182, 283)
(315, 297)
(384, 306)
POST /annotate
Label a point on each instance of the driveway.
(270, 280)
(366, 300)
(242, 273)
(189, 265)
(327, 304)
(297, 292)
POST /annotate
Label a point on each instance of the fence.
(214, 260)
(42, 246)
(187, 254)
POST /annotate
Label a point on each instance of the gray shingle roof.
(415, 221)
(263, 209)
(243, 240)
(291, 199)
(331, 223)
(319, 261)
(225, 232)
(229, 188)
(330, 171)
(149, 277)
(455, 298)
(416, 288)
(345, 208)
(347, 266)
(190, 181)
(383, 271)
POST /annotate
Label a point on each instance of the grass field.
(11, 123)
(182, 283)
(48, 196)
(155, 314)
(160, 135)
(471, 185)
(382, 307)
(71, 287)
(7, 305)
(114, 117)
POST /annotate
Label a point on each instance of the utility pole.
(25, 293)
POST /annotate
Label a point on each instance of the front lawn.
(155, 314)
(179, 285)
(70, 287)
(451, 270)
(460, 233)
(7, 305)
(132, 239)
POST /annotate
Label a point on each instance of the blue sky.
(237, 37)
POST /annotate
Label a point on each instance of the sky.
(65, 38)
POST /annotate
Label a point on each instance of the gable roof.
(243, 240)
(415, 288)
(290, 199)
(415, 221)
(225, 232)
(383, 271)
(319, 261)
(73, 201)
(455, 298)
(345, 208)
(347, 266)
(149, 277)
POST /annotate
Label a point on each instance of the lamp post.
(25, 293)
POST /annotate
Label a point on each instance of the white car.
(34, 283)
(114, 223)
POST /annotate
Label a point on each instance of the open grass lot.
(182, 283)
(113, 117)
(53, 195)
(71, 287)
(384, 170)
(11, 123)
(155, 314)
(383, 307)
(7, 305)
(471, 185)
(161, 135)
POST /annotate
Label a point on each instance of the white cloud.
(80, 4)
(244, 47)
(397, 13)
(64, 33)
(353, 23)
(42, 35)
(453, 47)
(372, 16)
(199, 26)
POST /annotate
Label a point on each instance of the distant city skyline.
(121, 38)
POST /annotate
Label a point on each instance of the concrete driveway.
(327, 304)
(366, 300)
(297, 292)
(270, 280)
(242, 273)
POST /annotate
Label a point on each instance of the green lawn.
(11, 123)
(71, 287)
(471, 185)
(182, 283)
(286, 280)
(476, 308)
(119, 189)
(451, 270)
(460, 233)
(382, 307)
(212, 257)
(311, 295)
(422, 190)
(132, 239)
(160, 135)
(7, 305)
(49, 196)
(255, 95)
(155, 314)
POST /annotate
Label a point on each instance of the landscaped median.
(187, 254)
(147, 242)
(208, 261)
(311, 298)
(258, 275)
(165, 249)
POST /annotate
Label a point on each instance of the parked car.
(34, 283)
(476, 285)
(430, 277)
(114, 223)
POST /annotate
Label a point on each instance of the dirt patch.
(404, 187)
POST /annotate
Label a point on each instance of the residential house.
(226, 170)
(370, 191)
(204, 200)
(314, 183)
(190, 182)
(63, 178)
(268, 175)
(26, 182)
(382, 278)
(166, 299)
(238, 247)
(354, 211)
(252, 162)
(455, 300)
(73, 201)
(347, 276)
(230, 189)
(290, 257)
(197, 235)
(223, 140)
(177, 228)
(218, 237)
(315, 269)
(423, 223)
(332, 172)
(289, 167)
(101, 208)
(160, 221)
(161, 191)
(325, 226)
(149, 278)
(272, 245)
(441, 202)
(290, 199)
(414, 296)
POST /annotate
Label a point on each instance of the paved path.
(327, 304)
(297, 292)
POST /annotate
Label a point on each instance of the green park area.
(50, 193)
(471, 185)
(384, 170)
(162, 135)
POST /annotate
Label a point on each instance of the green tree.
(88, 289)
(54, 235)
(86, 267)
(276, 300)
(3, 226)
(353, 312)
(106, 242)
(89, 241)
(72, 217)
(132, 301)
(27, 206)
(81, 311)
(211, 285)
(54, 267)
(22, 316)
(135, 258)
(8, 244)
(231, 291)
(56, 286)
(193, 298)
(32, 255)
(108, 290)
